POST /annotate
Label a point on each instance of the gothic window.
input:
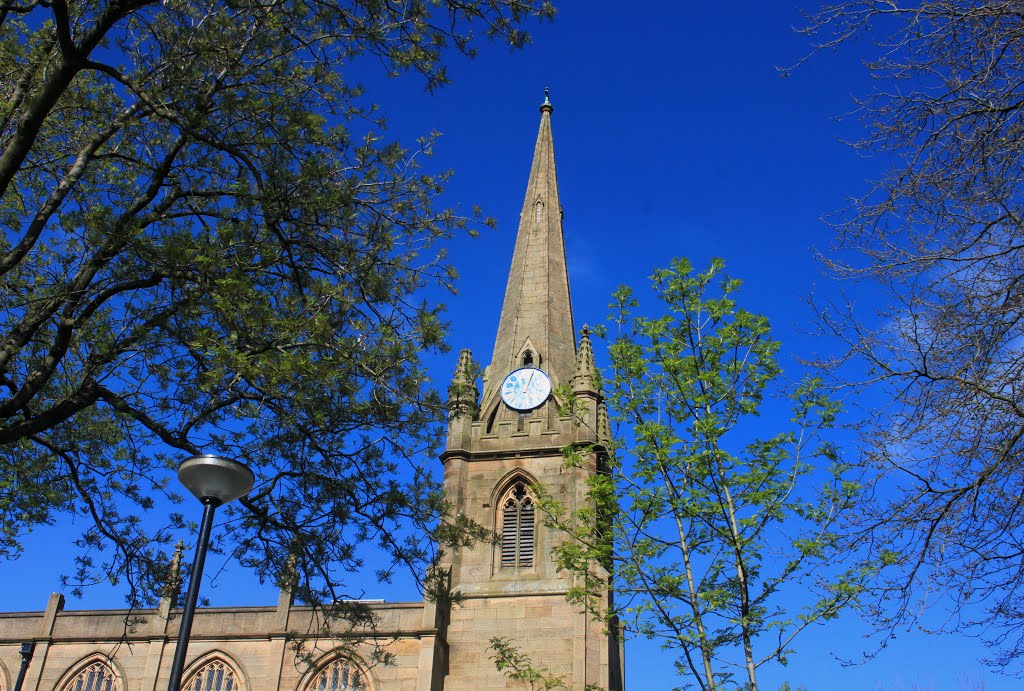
(517, 527)
(215, 675)
(528, 358)
(339, 675)
(97, 676)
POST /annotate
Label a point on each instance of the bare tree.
(941, 236)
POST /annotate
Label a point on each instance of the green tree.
(208, 244)
(940, 236)
(518, 666)
(716, 528)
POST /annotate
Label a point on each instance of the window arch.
(339, 675)
(518, 526)
(94, 676)
(214, 675)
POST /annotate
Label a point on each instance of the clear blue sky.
(675, 135)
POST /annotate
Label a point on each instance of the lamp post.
(214, 481)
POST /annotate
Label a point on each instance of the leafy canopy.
(716, 528)
(208, 244)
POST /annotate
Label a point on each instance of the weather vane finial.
(546, 105)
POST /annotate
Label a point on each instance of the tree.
(716, 532)
(518, 666)
(209, 245)
(940, 236)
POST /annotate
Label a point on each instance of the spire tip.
(546, 106)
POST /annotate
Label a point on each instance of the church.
(503, 440)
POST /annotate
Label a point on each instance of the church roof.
(536, 313)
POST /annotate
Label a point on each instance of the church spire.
(536, 315)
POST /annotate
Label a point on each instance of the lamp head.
(215, 478)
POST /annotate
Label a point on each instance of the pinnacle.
(585, 367)
(463, 393)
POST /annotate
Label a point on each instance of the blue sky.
(675, 135)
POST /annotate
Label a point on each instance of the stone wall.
(269, 648)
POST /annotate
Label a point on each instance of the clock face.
(525, 388)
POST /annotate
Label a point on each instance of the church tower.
(503, 442)
(509, 439)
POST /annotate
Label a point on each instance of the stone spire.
(536, 314)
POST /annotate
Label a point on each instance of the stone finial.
(463, 394)
(174, 573)
(169, 592)
(585, 367)
(286, 593)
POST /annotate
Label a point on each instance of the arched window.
(97, 676)
(528, 358)
(215, 675)
(517, 526)
(339, 675)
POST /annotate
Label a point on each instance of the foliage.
(940, 235)
(208, 244)
(517, 666)
(715, 531)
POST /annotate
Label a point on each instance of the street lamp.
(214, 481)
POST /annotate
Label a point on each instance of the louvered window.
(340, 675)
(96, 677)
(215, 675)
(517, 527)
